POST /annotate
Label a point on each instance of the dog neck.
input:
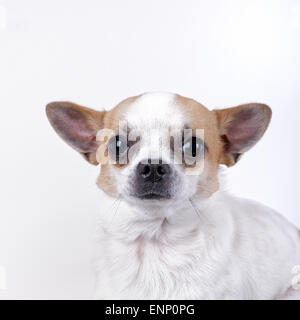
(164, 224)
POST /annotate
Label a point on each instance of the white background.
(96, 53)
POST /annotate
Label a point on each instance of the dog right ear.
(240, 128)
(76, 125)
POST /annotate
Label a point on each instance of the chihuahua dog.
(176, 234)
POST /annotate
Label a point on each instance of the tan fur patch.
(111, 120)
(202, 118)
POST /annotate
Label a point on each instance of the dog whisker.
(202, 217)
(117, 202)
(194, 208)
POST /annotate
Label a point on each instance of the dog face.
(159, 148)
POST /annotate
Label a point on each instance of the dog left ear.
(240, 129)
(77, 125)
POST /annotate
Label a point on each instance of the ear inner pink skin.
(77, 125)
(240, 128)
(244, 129)
(75, 129)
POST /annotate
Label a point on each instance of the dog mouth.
(153, 195)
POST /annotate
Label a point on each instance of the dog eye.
(117, 147)
(193, 147)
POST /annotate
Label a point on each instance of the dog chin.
(156, 201)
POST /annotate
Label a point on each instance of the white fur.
(234, 249)
(221, 247)
(154, 109)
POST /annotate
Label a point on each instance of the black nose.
(153, 172)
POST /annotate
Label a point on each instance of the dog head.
(159, 148)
